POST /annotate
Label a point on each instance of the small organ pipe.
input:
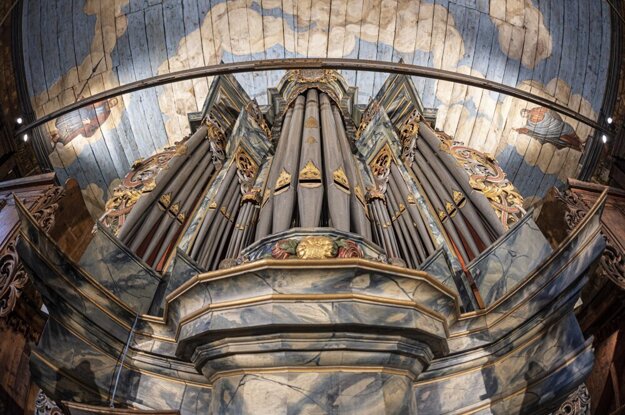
(284, 202)
(265, 215)
(134, 219)
(360, 223)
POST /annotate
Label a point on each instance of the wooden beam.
(316, 63)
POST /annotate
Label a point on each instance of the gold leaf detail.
(175, 208)
(311, 140)
(311, 122)
(310, 172)
(283, 181)
(212, 205)
(316, 247)
(411, 199)
(165, 199)
(340, 178)
(181, 149)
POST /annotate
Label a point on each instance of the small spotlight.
(604, 138)
(19, 120)
(25, 137)
(609, 120)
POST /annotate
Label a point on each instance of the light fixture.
(19, 120)
(604, 138)
(609, 120)
(25, 137)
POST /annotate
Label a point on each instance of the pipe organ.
(310, 255)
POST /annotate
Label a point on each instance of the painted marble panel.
(509, 260)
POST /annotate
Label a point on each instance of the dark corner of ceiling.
(19, 157)
(604, 160)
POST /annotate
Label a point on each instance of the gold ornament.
(316, 247)
(341, 179)
(165, 199)
(283, 181)
(310, 176)
(311, 122)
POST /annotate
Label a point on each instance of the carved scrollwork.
(612, 260)
(45, 405)
(613, 264)
(13, 279)
(46, 207)
(217, 139)
(577, 403)
(408, 135)
(140, 180)
(367, 116)
(247, 169)
(253, 109)
(487, 177)
(380, 167)
(576, 209)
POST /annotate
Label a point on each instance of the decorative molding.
(487, 177)
(45, 405)
(13, 279)
(44, 209)
(408, 134)
(612, 261)
(140, 180)
(367, 116)
(577, 403)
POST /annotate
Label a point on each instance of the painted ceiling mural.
(558, 49)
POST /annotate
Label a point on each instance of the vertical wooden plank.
(153, 121)
(289, 28)
(273, 37)
(50, 47)
(136, 118)
(386, 38)
(159, 63)
(256, 46)
(194, 49)
(407, 20)
(36, 60)
(423, 43)
(82, 41)
(367, 47)
(458, 125)
(453, 52)
(351, 45)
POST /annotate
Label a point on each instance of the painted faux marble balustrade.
(346, 335)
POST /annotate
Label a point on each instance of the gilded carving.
(340, 178)
(246, 169)
(217, 138)
(46, 207)
(311, 122)
(487, 177)
(254, 110)
(367, 116)
(408, 135)
(282, 182)
(165, 199)
(313, 75)
(140, 180)
(316, 247)
(310, 173)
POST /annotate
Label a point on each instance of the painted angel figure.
(547, 126)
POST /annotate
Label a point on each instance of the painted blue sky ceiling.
(558, 49)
